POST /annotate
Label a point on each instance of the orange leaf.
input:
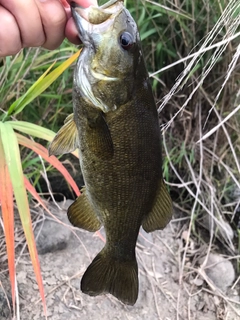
(13, 161)
(43, 152)
(34, 193)
(6, 200)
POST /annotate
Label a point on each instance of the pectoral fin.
(66, 140)
(161, 212)
(82, 215)
(99, 138)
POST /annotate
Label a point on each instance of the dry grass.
(201, 134)
(201, 129)
(199, 105)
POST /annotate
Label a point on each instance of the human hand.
(35, 23)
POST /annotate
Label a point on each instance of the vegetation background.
(192, 53)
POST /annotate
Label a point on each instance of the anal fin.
(81, 214)
(161, 212)
(66, 140)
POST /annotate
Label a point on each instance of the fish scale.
(115, 127)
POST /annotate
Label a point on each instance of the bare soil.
(167, 292)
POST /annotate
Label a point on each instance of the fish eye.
(126, 40)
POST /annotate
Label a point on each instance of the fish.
(115, 127)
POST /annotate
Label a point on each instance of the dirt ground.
(166, 291)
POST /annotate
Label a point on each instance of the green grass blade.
(33, 130)
(20, 101)
(45, 56)
(13, 160)
(41, 85)
(174, 13)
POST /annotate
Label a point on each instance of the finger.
(10, 40)
(29, 21)
(64, 3)
(54, 19)
(71, 30)
(85, 3)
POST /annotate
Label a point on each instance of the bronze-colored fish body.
(115, 126)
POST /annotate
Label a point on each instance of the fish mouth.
(93, 21)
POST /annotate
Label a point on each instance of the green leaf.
(43, 58)
(33, 130)
(148, 33)
(41, 85)
(20, 103)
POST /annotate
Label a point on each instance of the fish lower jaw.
(101, 76)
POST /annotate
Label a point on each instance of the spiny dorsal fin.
(161, 212)
(66, 140)
(99, 138)
(81, 214)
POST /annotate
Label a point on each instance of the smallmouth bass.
(115, 127)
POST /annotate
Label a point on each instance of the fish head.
(108, 64)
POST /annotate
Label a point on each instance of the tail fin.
(108, 275)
